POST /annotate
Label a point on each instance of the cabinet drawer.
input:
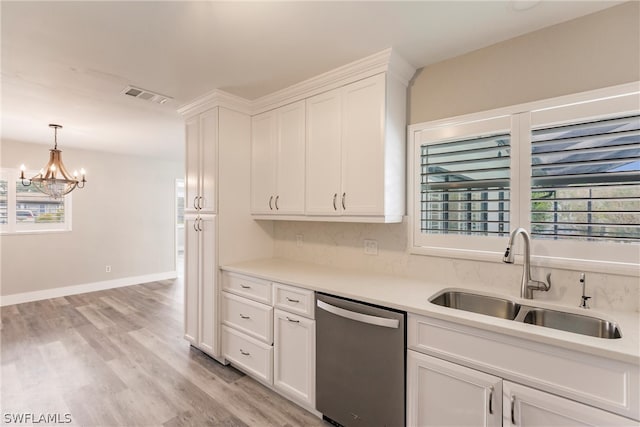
(248, 354)
(247, 286)
(250, 317)
(294, 300)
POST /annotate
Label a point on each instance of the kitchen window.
(567, 170)
(27, 210)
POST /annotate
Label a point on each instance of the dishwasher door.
(360, 363)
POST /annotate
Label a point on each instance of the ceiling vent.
(146, 95)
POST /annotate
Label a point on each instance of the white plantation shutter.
(465, 186)
(585, 181)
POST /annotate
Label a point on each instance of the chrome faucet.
(527, 285)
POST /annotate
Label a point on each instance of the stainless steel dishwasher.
(360, 363)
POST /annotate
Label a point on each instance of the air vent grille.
(146, 95)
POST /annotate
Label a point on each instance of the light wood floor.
(117, 358)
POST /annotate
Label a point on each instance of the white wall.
(595, 51)
(124, 217)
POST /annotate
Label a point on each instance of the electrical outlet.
(299, 240)
(370, 247)
(107, 269)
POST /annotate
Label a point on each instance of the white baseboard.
(81, 289)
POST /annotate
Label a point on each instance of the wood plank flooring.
(118, 358)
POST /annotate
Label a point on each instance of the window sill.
(573, 264)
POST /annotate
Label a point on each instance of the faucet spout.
(527, 285)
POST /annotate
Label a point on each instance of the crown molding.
(384, 61)
(215, 98)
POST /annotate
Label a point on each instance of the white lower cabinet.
(275, 346)
(294, 356)
(442, 393)
(459, 375)
(525, 406)
(200, 282)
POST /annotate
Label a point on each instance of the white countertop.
(411, 295)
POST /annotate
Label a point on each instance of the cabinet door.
(441, 393)
(263, 163)
(209, 150)
(363, 113)
(191, 278)
(524, 406)
(192, 164)
(323, 154)
(208, 336)
(294, 358)
(290, 159)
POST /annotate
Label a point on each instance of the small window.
(25, 209)
(585, 181)
(465, 186)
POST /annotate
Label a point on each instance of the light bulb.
(23, 167)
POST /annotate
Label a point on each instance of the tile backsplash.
(341, 245)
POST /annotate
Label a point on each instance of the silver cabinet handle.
(244, 353)
(245, 286)
(195, 225)
(200, 225)
(242, 316)
(195, 203)
(277, 197)
(491, 400)
(270, 200)
(292, 320)
(344, 196)
(200, 199)
(292, 300)
(359, 317)
(513, 410)
(335, 196)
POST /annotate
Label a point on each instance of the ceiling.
(68, 62)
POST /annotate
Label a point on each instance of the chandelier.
(53, 179)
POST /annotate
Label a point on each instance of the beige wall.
(598, 50)
(595, 51)
(123, 218)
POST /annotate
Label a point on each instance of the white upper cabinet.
(363, 148)
(201, 160)
(323, 153)
(277, 161)
(348, 177)
(352, 167)
(263, 162)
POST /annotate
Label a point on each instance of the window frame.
(13, 175)
(619, 258)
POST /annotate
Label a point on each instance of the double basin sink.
(511, 310)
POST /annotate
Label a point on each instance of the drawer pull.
(245, 286)
(242, 316)
(292, 320)
(292, 300)
(244, 353)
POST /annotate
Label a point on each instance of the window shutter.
(465, 186)
(585, 181)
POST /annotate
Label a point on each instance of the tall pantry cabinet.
(218, 226)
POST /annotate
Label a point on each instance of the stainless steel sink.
(476, 303)
(538, 316)
(570, 322)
